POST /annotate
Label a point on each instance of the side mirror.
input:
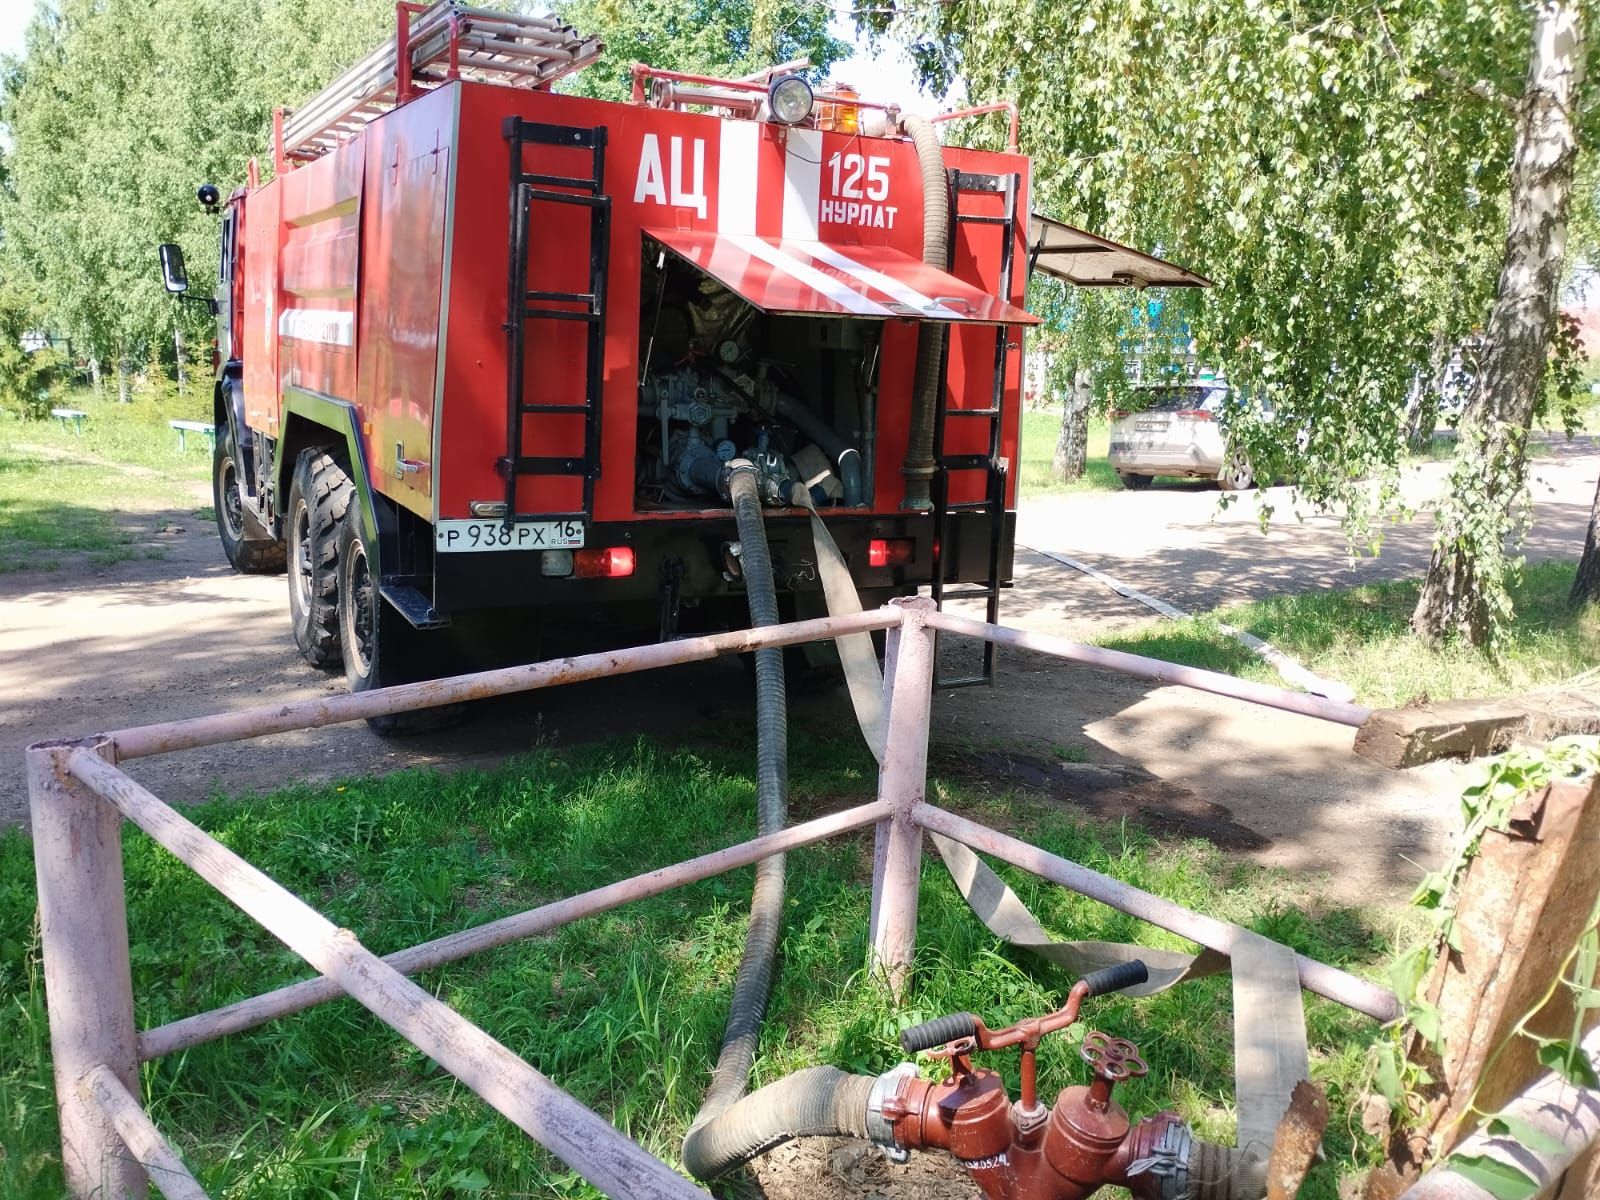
(174, 276)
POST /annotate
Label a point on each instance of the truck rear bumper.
(692, 553)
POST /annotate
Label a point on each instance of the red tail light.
(890, 552)
(1118, 413)
(613, 562)
(1196, 414)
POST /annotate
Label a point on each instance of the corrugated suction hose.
(815, 1102)
(926, 384)
(752, 986)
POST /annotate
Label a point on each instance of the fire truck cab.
(486, 346)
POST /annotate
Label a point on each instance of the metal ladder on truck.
(529, 188)
(994, 467)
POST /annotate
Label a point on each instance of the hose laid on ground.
(815, 1102)
(926, 384)
(753, 984)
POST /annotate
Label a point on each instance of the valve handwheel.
(1113, 1059)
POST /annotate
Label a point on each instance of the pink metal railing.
(80, 799)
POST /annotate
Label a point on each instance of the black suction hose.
(926, 385)
(753, 984)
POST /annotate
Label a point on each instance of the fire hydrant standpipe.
(1013, 1150)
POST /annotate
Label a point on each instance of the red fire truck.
(484, 346)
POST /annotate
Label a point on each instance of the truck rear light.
(612, 562)
(890, 552)
(555, 564)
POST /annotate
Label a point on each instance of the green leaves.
(1525, 1133)
(1569, 1061)
(1345, 191)
(1500, 1179)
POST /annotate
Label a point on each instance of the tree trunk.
(1072, 445)
(1464, 579)
(1422, 405)
(94, 375)
(123, 396)
(180, 351)
(1586, 587)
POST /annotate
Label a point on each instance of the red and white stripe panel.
(810, 277)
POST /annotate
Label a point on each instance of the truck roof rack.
(446, 40)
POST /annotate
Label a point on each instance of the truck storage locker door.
(408, 181)
(319, 265)
(806, 278)
(261, 396)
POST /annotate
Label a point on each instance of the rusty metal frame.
(80, 798)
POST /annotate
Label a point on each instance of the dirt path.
(84, 650)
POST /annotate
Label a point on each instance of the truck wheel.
(1135, 483)
(319, 497)
(251, 555)
(379, 646)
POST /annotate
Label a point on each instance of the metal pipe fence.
(80, 800)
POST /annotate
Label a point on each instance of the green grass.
(1039, 433)
(94, 494)
(1361, 637)
(624, 1010)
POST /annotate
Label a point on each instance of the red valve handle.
(1113, 1059)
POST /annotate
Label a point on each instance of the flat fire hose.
(856, 655)
(1269, 1026)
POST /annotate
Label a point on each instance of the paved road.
(1174, 542)
(84, 651)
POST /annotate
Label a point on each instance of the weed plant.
(624, 1010)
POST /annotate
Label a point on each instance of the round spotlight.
(789, 100)
(208, 195)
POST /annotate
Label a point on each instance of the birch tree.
(1462, 594)
(1344, 174)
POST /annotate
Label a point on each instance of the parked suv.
(1175, 430)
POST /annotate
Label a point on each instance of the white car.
(1176, 431)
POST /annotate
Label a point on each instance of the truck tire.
(1135, 483)
(246, 549)
(379, 646)
(319, 498)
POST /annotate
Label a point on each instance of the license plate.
(456, 536)
(1150, 426)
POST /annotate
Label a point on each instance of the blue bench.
(71, 416)
(185, 428)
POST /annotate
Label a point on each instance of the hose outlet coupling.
(880, 1128)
